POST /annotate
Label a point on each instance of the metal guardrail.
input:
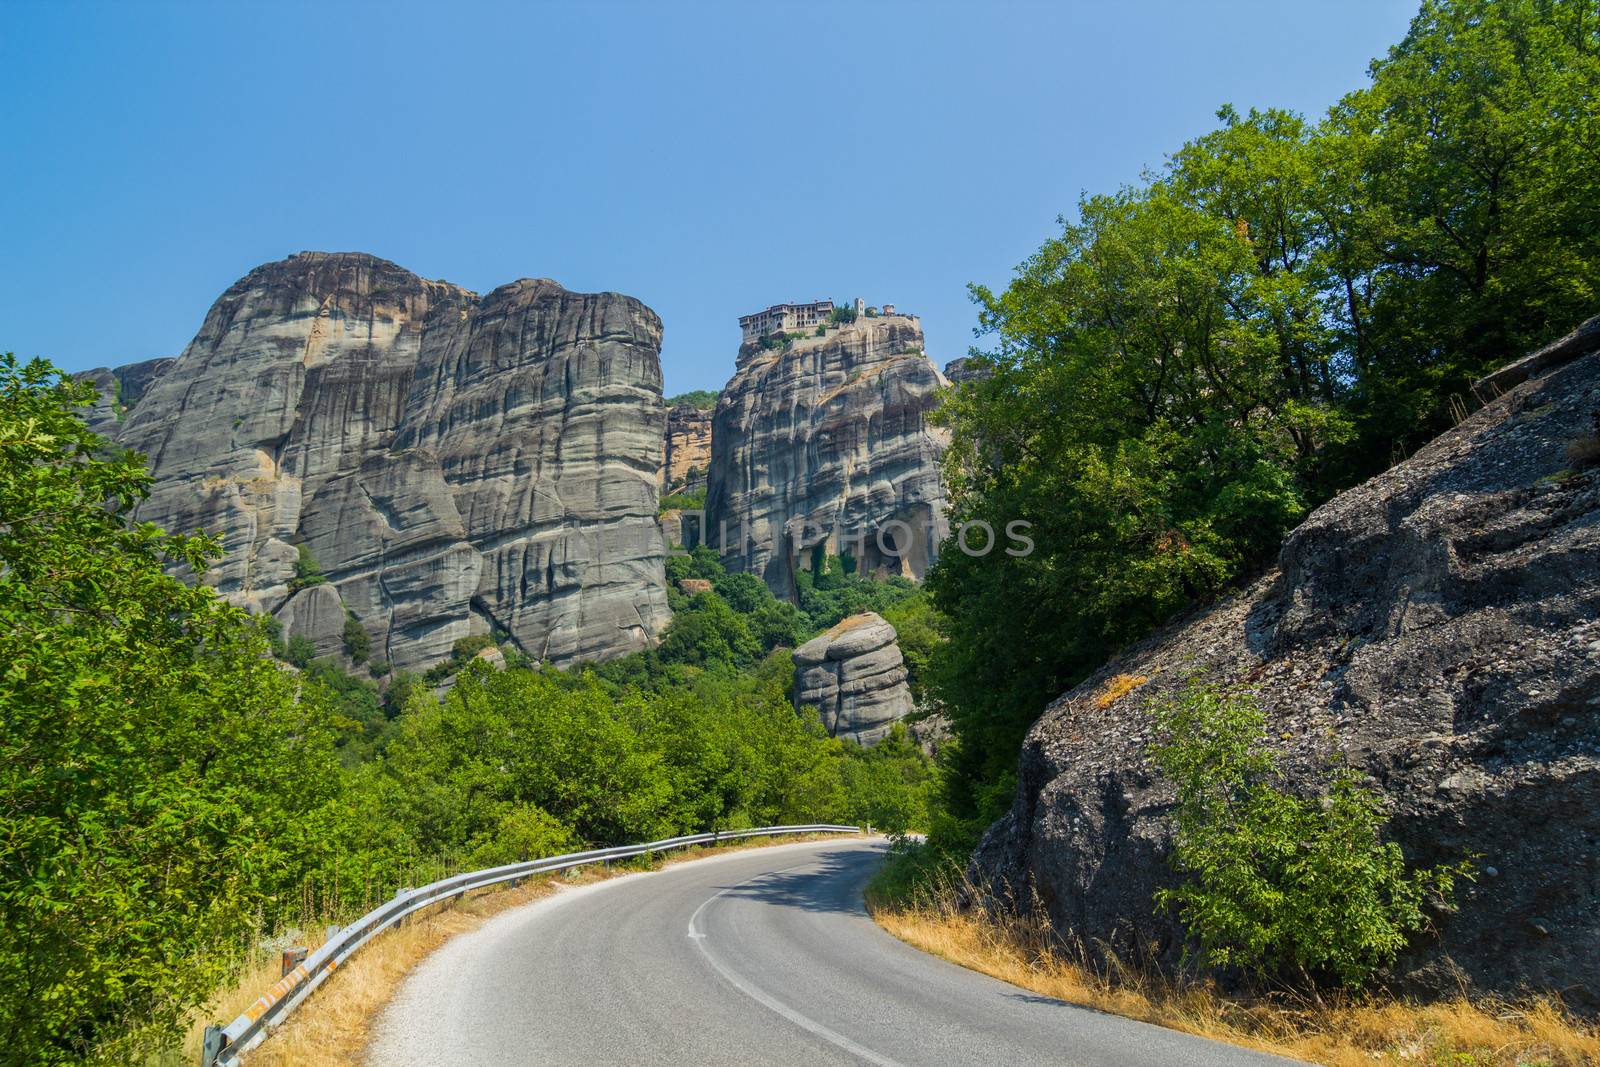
(224, 1045)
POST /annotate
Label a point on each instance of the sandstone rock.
(1435, 628)
(543, 408)
(855, 677)
(453, 462)
(826, 441)
(693, 586)
(492, 656)
(688, 448)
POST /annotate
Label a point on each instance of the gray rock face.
(121, 388)
(965, 369)
(854, 675)
(1437, 627)
(317, 614)
(454, 463)
(826, 442)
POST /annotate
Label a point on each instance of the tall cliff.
(1436, 629)
(826, 441)
(453, 463)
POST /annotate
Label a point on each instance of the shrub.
(357, 642)
(687, 501)
(1283, 887)
(461, 654)
(704, 399)
(300, 651)
(1585, 450)
(523, 833)
(306, 571)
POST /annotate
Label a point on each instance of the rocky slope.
(1437, 628)
(688, 448)
(453, 463)
(826, 441)
(854, 675)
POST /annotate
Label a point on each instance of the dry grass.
(1117, 687)
(1457, 1033)
(1584, 451)
(331, 1029)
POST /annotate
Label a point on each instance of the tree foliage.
(154, 762)
(704, 399)
(1281, 311)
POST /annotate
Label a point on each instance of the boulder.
(316, 614)
(854, 675)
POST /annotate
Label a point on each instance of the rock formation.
(688, 448)
(453, 463)
(120, 389)
(1439, 629)
(854, 675)
(965, 369)
(825, 441)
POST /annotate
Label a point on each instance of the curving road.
(757, 957)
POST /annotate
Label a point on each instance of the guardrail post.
(292, 958)
(211, 1046)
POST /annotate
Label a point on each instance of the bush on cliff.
(1297, 890)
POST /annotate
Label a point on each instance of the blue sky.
(708, 158)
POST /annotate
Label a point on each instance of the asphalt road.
(757, 957)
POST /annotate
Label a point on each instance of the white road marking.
(767, 1000)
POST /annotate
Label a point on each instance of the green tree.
(1461, 208)
(712, 634)
(1280, 312)
(357, 642)
(502, 740)
(153, 760)
(704, 399)
(299, 651)
(1302, 890)
(1140, 415)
